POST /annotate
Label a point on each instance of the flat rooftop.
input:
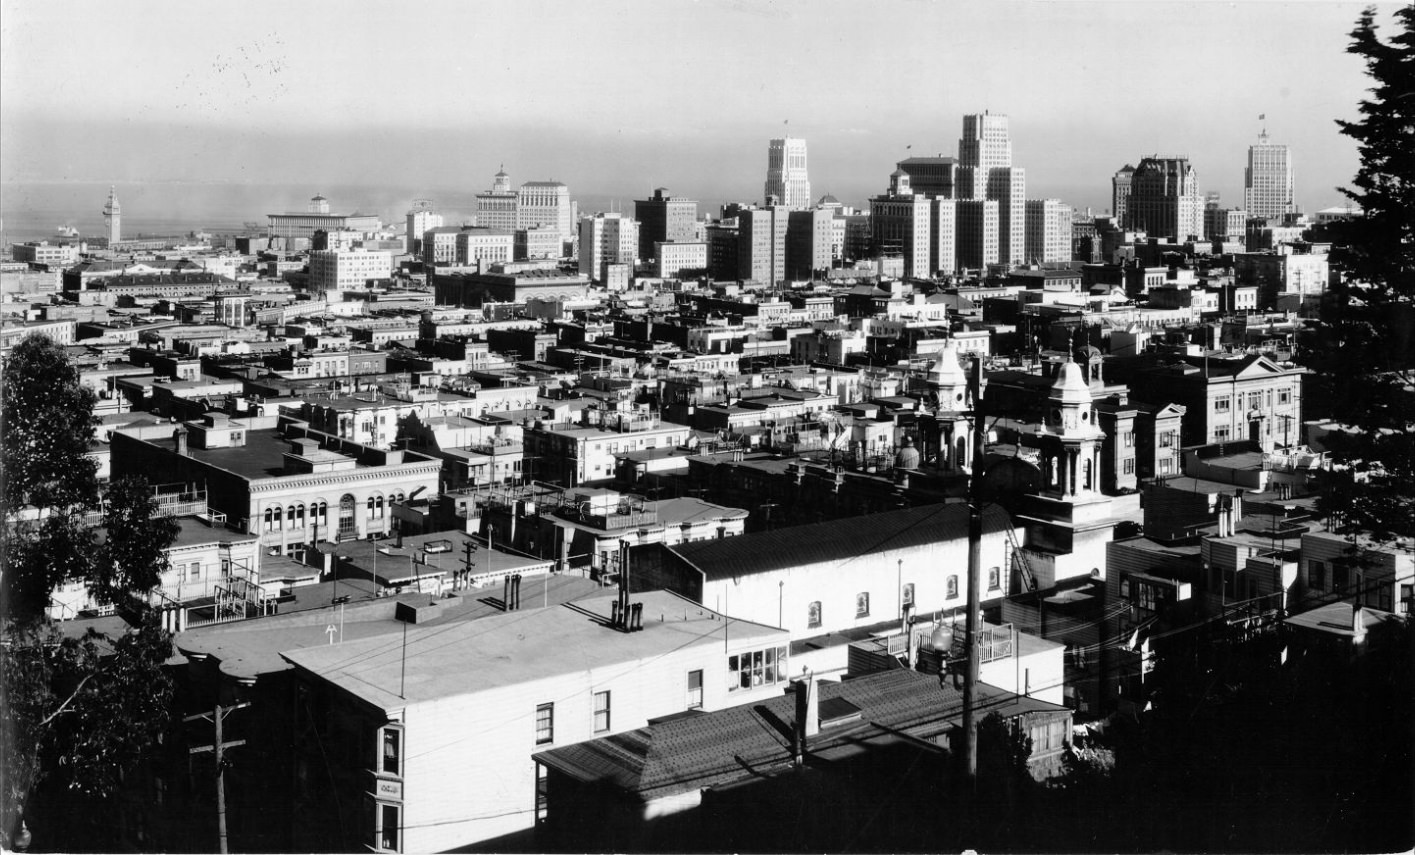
(518, 647)
(249, 648)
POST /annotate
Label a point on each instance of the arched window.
(279, 517)
(347, 526)
(319, 513)
(300, 515)
(290, 517)
(269, 519)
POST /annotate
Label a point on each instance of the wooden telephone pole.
(975, 561)
(219, 747)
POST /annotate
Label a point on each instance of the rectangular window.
(195, 571)
(1316, 575)
(391, 751)
(1407, 599)
(388, 832)
(1129, 466)
(757, 668)
(695, 690)
(545, 724)
(1129, 439)
(952, 591)
(862, 604)
(1340, 577)
(542, 793)
(1167, 439)
(601, 712)
(909, 594)
(1221, 434)
(1284, 396)
(1222, 405)
(813, 615)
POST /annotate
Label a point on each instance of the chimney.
(808, 722)
(1358, 624)
(179, 436)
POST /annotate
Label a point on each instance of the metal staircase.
(1017, 559)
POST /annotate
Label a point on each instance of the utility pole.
(975, 562)
(219, 747)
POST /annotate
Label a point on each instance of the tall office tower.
(808, 242)
(664, 219)
(1267, 181)
(607, 239)
(319, 205)
(761, 244)
(985, 171)
(113, 216)
(943, 237)
(545, 203)
(1048, 231)
(977, 232)
(421, 217)
(934, 177)
(496, 208)
(1165, 200)
(1007, 185)
(901, 225)
(786, 182)
(1120, 194)
(986, 142)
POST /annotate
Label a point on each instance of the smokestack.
(179, 437)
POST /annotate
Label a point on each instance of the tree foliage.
(1363, 351)
(79, 711)
(46, 425)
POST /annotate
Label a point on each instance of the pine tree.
(1363, 352)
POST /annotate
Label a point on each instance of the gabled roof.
(836, 541)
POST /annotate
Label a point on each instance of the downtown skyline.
(688, 95)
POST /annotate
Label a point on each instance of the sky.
(616, 97)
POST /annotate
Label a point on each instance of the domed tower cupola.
(948, 380)
(1070, 409)
(1070, 438)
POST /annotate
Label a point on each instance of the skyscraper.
(1165, 200)
(1048, 231)
(902, 225)
(985, 171)
(786, 181)
(986, 142)
(761, 244)
(664, 219)
(610, 238)
(1267, 181)
(113, 216)
(1120, 195)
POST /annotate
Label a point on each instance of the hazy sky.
(615, 97)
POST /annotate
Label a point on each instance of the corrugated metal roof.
(837, 540)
